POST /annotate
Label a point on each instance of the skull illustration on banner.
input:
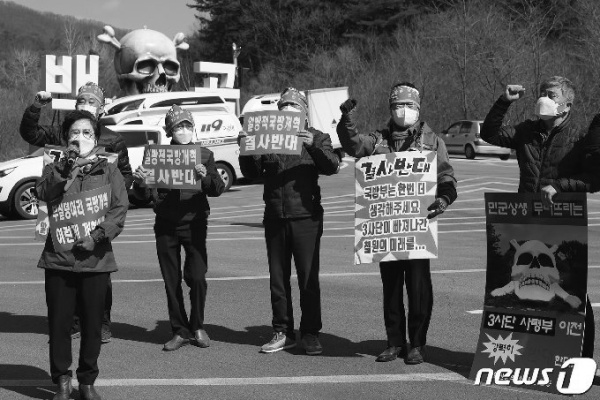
(534, 274)
(145, 60)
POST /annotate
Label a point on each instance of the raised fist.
(42, 98)
(513, 92)
(348, 106)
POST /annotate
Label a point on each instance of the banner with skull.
(536, 285)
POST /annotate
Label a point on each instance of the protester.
(404, 132)
(181, 220)
(90, 98)
(554, 155)
(80, 277)
(293, 221)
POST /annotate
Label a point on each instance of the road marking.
(475, 312)
(266, 380)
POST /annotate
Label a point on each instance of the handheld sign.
(535, 294)
(172, 166)
(393, 192)
(53, 154)
(272, 132)
(76, 215)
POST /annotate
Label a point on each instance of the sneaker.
(105, 335)
(311, 344)
(279, 342)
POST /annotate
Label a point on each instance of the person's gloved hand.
(348, 106)
(42, 98)
(437, 207)
(241, 135)
(85, 243)
(307, 138)
(200, 171)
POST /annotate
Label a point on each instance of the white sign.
(65, 75)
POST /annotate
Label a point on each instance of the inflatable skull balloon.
(534, 274)
(145, 60)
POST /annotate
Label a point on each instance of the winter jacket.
(565, 157)
(291, 182)
(40, 136)
(182, 206)
(419, 136)
(51, 187)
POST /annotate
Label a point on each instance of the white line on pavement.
(267, 380)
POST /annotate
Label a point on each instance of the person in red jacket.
(78, 278)
(293, 223)
(182, 221)
(89, 98)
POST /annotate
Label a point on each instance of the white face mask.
(546, 108)
(183, 136)
(85, 146)
(87, 107)
(405, 117)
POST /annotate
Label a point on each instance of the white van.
(217, 127)
(323, 110)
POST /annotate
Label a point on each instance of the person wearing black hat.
(181, 221)
(79, 277)
(293, 222)
(405, 131)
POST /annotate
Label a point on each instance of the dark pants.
(416, 274)
(169, 240)
(64, 290)
(589, 331)
(301, 239)
(107, 308)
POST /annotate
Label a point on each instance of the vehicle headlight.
(6, 171)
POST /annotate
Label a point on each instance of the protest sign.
(54, 154)
(76, 215)
(172, 166)
(272, 132)
(536, 284)
(393, 192)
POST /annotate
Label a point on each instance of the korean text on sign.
(273, 132)
(172, 166)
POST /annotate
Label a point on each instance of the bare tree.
(72, 35)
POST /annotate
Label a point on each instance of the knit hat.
(92, 89)
(294, 97)
(401, 93)
(176, 115)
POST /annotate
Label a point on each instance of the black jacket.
(291, 188)
(40, 136)
(566, 157)
(182, 206)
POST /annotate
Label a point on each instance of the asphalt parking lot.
(238, 313)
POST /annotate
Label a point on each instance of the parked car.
(463, 137)
(217, 127)
(17, 183)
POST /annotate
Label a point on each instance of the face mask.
(546, 108)
(183, 136)
(405, 117)
(85, 146)
(289, 108)
(87, 107)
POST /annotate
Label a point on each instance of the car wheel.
(505, 157)
(25, 202)
(226, 175)
(469, 152)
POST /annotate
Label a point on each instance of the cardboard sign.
(536, 284)
(393, 192)
(172, 166)
(324, 108)
(272, 132)
(54, 154)
(76, 215)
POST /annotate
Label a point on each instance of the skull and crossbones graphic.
(145, 60)
(534, 274)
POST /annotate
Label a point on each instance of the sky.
(166, 16)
